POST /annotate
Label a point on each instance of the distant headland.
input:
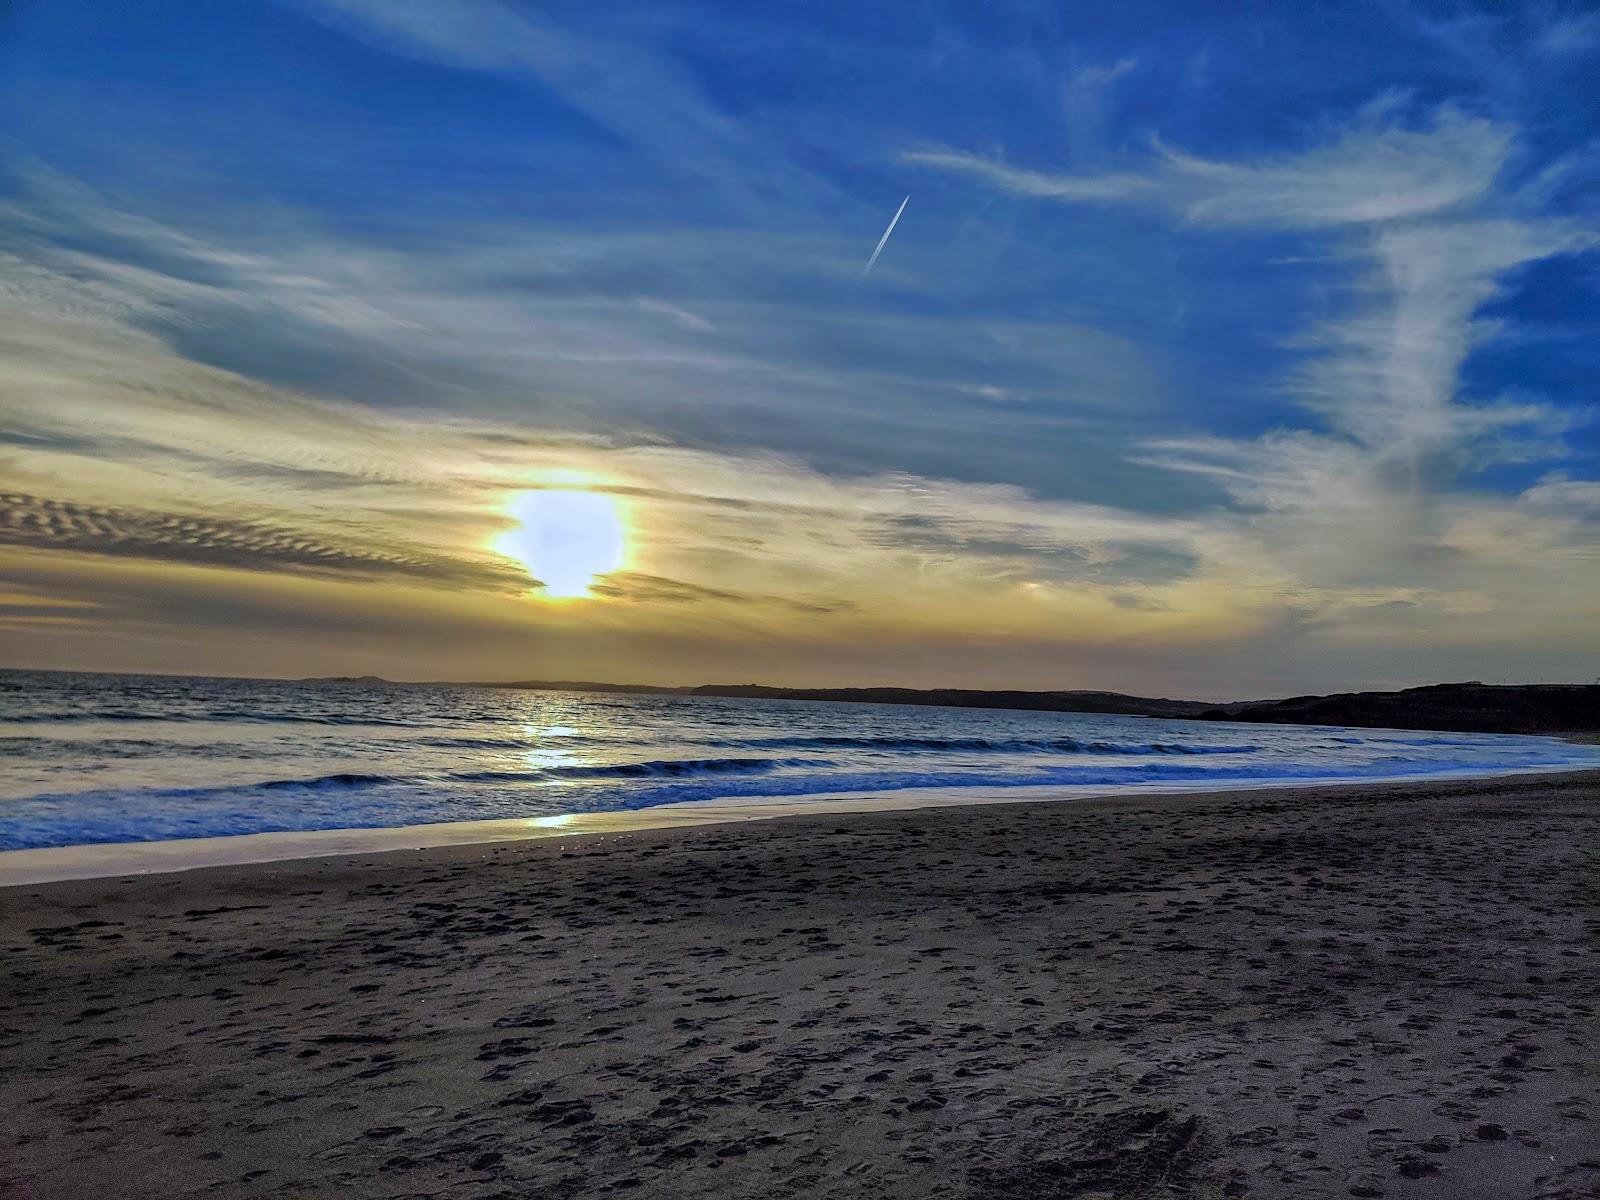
(1467, 707)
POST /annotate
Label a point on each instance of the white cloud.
(619, 83)
(708, 336)
(1038, 183)
(1574, 34)
(1416, 210)
(1086, 102)
(1388, 374)
(1574, 497)
(1366, 510)
(1372, 173)
(1325, 528)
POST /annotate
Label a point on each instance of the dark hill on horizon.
(1463, 707)
(1074, 701)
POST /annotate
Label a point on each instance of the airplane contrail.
(883, 241)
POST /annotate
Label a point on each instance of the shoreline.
(100, 860)
(1327, 992)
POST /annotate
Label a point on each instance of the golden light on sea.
(567, 538)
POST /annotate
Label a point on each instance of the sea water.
(119, 758)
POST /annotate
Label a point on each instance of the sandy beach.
(1360, 991)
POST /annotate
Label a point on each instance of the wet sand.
(1378, 990)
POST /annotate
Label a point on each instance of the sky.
(1220, 350)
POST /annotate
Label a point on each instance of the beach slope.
(1364, 991)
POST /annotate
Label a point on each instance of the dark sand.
(1370, 991)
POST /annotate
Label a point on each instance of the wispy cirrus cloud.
(639, 95)
(1572, 34)
(1212, 375)
(1420, 213)
(1374, 172)
(583, 333)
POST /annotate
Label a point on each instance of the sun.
(566, 538)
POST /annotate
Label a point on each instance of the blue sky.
(1279, 321)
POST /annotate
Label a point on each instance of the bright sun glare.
(566, 538)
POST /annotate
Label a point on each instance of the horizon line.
(691, 688)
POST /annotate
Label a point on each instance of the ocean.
(120, 758)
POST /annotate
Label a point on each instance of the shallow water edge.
(55, 864)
